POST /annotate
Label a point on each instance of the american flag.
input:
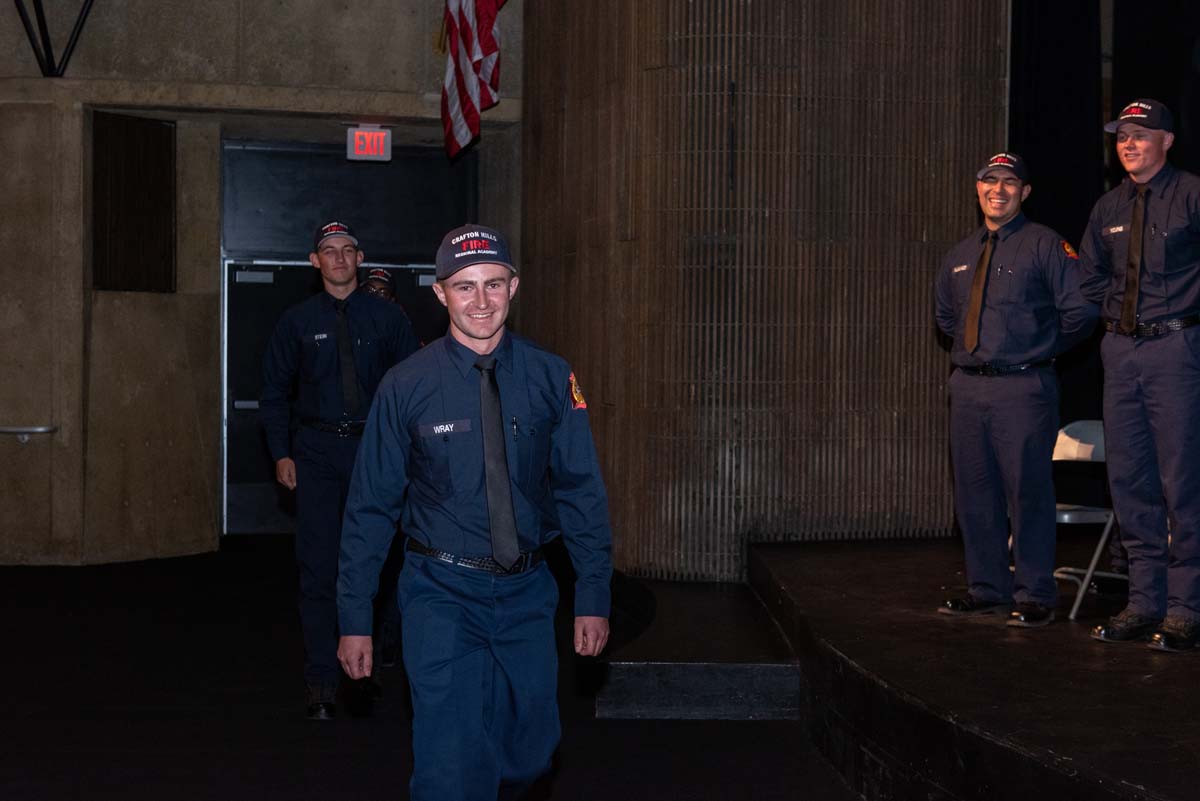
(472, 81)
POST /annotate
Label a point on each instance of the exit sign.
(368, 143)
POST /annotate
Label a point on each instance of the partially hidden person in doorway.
(325, 360)
(481, 443)
(380, 283)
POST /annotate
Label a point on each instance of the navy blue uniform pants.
(324, 463)
(1002, 435)
(1152, 440)
(480, 656)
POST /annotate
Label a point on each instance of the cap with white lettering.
(333, 228)
(471, 244)
(1005, 161)
(1146, 113)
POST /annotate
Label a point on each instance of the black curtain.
(1055, 122)
(1055, 115)
(1156, 53)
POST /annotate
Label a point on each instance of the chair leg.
(1091, 571)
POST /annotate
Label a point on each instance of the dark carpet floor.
(179, 679)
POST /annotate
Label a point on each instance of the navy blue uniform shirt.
(1169, 280)
(422, 458)
(1032, 310)
(304, 354)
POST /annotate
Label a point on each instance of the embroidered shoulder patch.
(577, 401)
(1070, 251)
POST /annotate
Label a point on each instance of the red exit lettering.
(369, 143)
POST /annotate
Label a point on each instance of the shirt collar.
(1157, 184)
(464, 358)
(331, 302)
(1006, 230)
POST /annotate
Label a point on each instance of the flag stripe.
(472, 82)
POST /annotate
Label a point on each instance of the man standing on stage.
(1008, 296)
(330, 352)
(481, 443)
(1141, 261)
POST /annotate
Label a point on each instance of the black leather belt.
(344, 428)
(1005, 369)
(527, 560)
(1156, 329)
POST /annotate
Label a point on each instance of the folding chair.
(1083, 441)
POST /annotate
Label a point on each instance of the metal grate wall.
(733, 212)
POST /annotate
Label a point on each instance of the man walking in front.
(480, 443)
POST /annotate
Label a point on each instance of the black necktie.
(1134, 266)
(975, 308)
(351, 401)
(495, 464)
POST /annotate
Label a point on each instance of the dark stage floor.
(914, 704)
(178, 679)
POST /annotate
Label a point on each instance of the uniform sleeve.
(280, 365)
(1076, 314)
(943, 300)
(373, 507)
(1095, 270)
(582, 503)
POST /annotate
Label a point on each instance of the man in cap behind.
(379, 283)
(1008, 296)
(1141, 262)
(330, 352)
(480, 443)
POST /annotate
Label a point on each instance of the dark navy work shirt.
(1169, 279)
(302, 360)
(421, 458)
(1032, 310)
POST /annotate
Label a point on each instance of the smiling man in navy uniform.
(480, 443)
(329, 353)
(1008, 296)
(1141, 260)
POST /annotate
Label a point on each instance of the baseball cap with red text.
(1005, 161)
(1146, 113)
(333, 228)
(471, 244)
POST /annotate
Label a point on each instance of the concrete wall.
(132, 380)
(40, 349)
(372, 45)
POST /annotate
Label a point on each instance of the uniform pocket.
(1191, 339)
(533, 446)
(316, 356)
(429, 468)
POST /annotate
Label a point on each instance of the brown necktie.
(978, 282)
(505, 549)
(1133, 271)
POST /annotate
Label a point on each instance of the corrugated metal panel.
(734, 211)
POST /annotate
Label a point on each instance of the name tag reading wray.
(440, 429)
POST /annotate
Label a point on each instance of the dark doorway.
(274, 195)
